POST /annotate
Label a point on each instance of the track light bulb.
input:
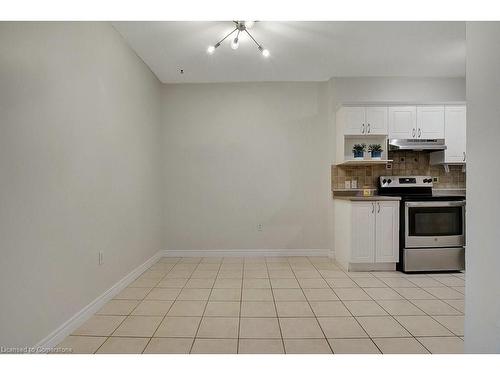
(210, 50)
(265, 53)
(235, 43)
(249, 24)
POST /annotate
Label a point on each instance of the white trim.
(60, 333)
(248, 253)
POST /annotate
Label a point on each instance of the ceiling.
(300, 51)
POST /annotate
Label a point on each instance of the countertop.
(362, 198)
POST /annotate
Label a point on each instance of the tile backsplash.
(405, 163)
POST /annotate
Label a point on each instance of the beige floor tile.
(329, 308)
(152, 308)
(258, 309)
(256, 283)
(118, 307)
(312, 283)
(424, 281)
(365, 308)
(228, 283)
(353, 346)
(436, 307)
(297, 328)
(443, 345)
(293, 309)
(133, 293)
(261, 346)
(351, 294)
(221, 328)
(307, 346)
(454, 323)
(450, 280)
(289, 295)
(325, 294)
(160, 345)
(306, 274)
(194, 295)
(400, 307)
(179, 274)
(187, 308)
(341, 327)
(333, 274)
(230, 274)
(381, 294)
(172, 283)
(222, 308)
(195, 260)
(82, 344)
(163, 294)
(382, 326)
(225, 295)
(414, 293)
(123, 345)
(257, 274)
(199, 283)
(212, 274)
(215, 346)
(281, 274)
(400, 345)
(372, 282)
(342, 283)
(177, 326)
(150, 274)
(398, 282)
(138, 326)
(261, 328)
(99, 325)
(284, 283)
(257, 295)
(444, 292)
(144, 283)
(423, 326)
(457, 304)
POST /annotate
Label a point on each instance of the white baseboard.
(248, 253)
(80, 317)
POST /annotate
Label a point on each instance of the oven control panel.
(405, 181)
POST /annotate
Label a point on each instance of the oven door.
(434, 224)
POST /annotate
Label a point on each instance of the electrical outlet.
(435, 179)
(260, 227)
(388, 166)
(101, 258)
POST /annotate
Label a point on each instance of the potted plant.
(376, 151)
(359, 150)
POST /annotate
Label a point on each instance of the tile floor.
(276, 305)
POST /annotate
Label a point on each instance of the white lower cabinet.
(366, 234)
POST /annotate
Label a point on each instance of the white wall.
(236, 155)
(79, 170)
(399, 89)
(482, 291)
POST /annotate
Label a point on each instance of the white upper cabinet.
(430, 122)
(376, 120)
(455, 123)
(402, 122)
(455, 126)
(365, 120)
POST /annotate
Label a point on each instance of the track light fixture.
(240, 27)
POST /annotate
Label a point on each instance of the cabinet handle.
(368, 128)
(373, 208)
(363, 129)
(378, 204)
(413, 133)
(419, 132)
(464, 155)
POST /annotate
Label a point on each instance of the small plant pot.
(376, 154)
(359, 154)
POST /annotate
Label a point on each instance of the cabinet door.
(363, 232)
(402, 122)
(376, 120)
(454, 132)
(430, 122)
(354, 118)
(387, 232)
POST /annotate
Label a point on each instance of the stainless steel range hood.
(417, 144)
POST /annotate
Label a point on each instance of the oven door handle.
(436, 204)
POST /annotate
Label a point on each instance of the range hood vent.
(417, 144)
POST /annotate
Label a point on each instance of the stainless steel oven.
(431, 224)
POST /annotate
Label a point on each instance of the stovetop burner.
(411, 188)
